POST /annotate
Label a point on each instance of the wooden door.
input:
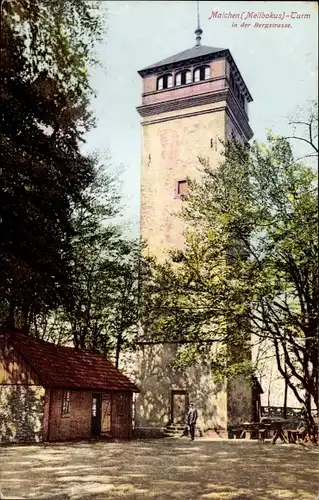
(179, 405)
(96, 415)
(106, 417)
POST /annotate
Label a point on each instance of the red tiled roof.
(65, 367)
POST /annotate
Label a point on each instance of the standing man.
(191, 420)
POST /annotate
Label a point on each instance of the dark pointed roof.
(185, 55)
(67, 368)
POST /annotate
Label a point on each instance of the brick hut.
(57, 393)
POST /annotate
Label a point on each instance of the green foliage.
(102, 312)
(46, 47)
(249, 263)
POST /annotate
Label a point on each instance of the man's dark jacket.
(192, 416)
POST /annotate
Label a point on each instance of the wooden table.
(277, 424)
(279, 433)
(257, 428)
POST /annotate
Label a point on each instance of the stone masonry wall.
(170, 154)
(239, 400)
(21, 413)
(156, 378)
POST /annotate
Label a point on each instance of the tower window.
(183, 78)
(160, 83)
(165, 82)
(202, 73)
(237, 91)
(197, 75)
(181, 189)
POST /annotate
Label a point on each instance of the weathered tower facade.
(189, 102)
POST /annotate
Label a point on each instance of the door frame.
(110, 397)
(178, 392)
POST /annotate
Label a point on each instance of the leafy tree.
(107, 270)
(104, 307)
(250, 263)
(46, 47)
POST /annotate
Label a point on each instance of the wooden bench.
(292, 435)
(262, 433)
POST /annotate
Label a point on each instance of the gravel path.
(165, 469)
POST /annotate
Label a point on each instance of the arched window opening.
(202, 73)
(160, 83)
(165, 82)
(188, 76)
(184, 77)
(207, 72)
(197, 75)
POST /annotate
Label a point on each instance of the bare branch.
(304, 140)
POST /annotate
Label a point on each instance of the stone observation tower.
(190, 101)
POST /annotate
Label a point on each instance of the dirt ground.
(165, 469)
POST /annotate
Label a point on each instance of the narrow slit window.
(66, 403)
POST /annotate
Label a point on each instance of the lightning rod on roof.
(198, 31)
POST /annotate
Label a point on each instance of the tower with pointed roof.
(190, 101)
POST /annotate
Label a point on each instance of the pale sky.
(279, 66)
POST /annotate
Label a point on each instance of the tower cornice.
(181, 103)
(224, 95)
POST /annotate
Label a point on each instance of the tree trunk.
(118, 349)
(9, 318)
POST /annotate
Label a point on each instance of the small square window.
(66, 404)
(181, 189)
